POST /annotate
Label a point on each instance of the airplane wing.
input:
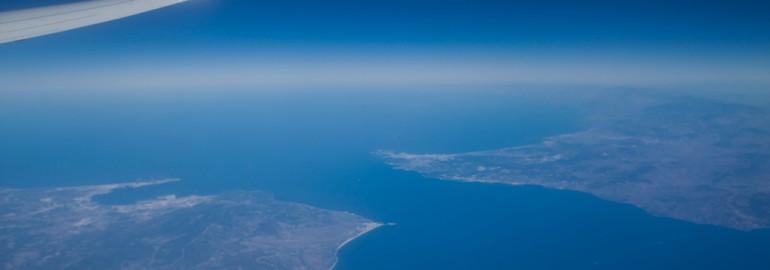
(29, 23)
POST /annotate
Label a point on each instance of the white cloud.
(239, 69)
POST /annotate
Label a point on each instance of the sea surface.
(315, 146)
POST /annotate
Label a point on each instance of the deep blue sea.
(314, 146)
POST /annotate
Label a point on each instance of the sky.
(243, 43)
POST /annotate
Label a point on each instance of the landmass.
(693, 159)
(64, 228)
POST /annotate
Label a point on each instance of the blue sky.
(581, 42)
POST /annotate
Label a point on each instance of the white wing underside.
(29, 23)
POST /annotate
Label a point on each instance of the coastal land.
(700, 160)
(64, 228)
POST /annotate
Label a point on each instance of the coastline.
(369, 226)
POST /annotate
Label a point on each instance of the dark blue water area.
(452, 225)
(315, 147)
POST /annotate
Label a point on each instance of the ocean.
(315, 146)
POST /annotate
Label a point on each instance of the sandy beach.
(369, 226)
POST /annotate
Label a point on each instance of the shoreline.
(370, 226)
